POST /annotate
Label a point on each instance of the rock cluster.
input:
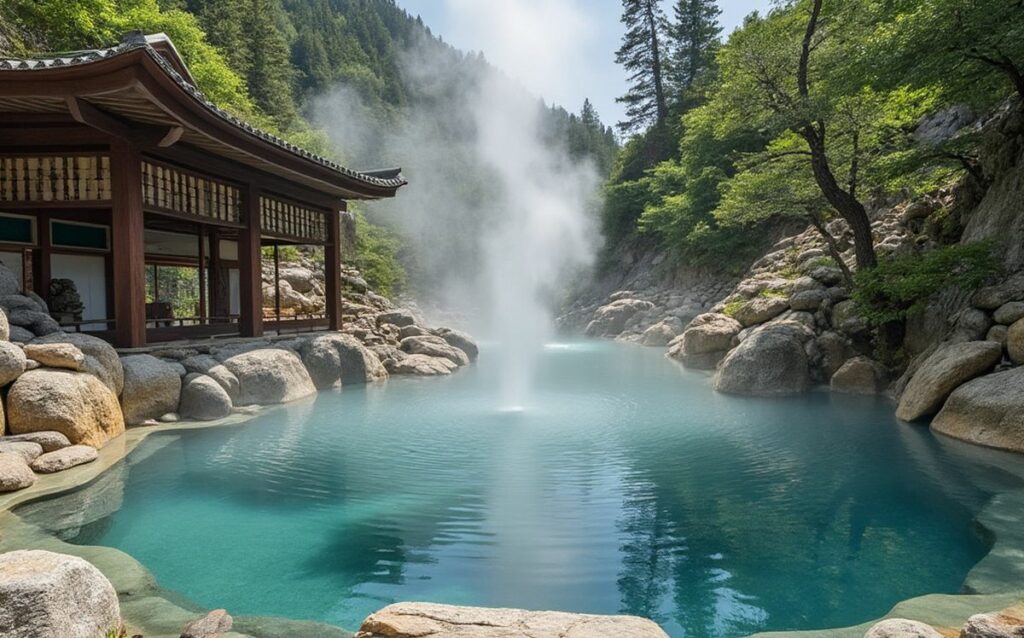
(66, 395)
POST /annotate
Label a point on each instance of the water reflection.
(625, 488)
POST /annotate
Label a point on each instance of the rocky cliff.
(789, 322)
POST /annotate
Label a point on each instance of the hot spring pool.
(623, 485)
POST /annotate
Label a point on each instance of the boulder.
(771, 361)
(211, 367)
(9, 282)
(15, 474)
(900, 628)
(270, 376)
(998, 333)
(12, 362)
(709, 333)
(203, 399)
(151, 388)
(336, 357)
(847, 319)
(828, 275)
(992, 297)
(17, 334)
(1015, 342)
(101, 360)
(53, 595)
(760, 309)
(412, 620)
(211, 625)
(434, 347)
(986, 411)
(36, 321)
(412, 331)
(25, 449)
(49, 441)
(400, 318)
(859, 375)
(970, 324)
(659, 335)
(460, 340)
(809, 300)
(949, 367)
(421, 365)
(75, 404)
(610, 320)
(301, 279)
(5, 326)
(834, 350)
(1009, 313)
(56, 355)
(1006, 624)
(64, 458)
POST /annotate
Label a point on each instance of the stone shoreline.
(996, 582)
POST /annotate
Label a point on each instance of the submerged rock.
(413, 620)
(945, 370)
(151, 388)
(64, 459)
(76, 404)
(53, 595)
(270, 376)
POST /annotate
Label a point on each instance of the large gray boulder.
(986, 411)
(611, 320)
(43, 594)
(949, 367)
(659, 335)
(460, 340)
(337, 357)
(38, 322)
(75, 404)
(771, 361)
(400, 318)
(413, 620)
(760, 309)
(301, 279)
(203, 399)
(1009, 313)
(151, 388)
(901, 628)
(859, 375)
(705, 341)
(211, 367)
(432, 346)
(270, 376)
(9, 282)
(12, 362)
(49, 441)
(101, 360)
(1015, 342)
(15, 474)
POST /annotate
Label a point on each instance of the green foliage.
(900, 287)
(377, 257)
(643, 55)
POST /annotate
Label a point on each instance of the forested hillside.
(269, 60)
(806, 113)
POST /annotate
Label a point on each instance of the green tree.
(694, 35)
(268, 68)
(641, 54)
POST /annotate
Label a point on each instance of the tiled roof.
(387, 178)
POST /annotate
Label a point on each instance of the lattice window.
(55, 178)
(288, 219)
(178, 191)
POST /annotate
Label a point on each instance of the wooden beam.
(128, 250)
(251, 266)
(172, 137)
(144, 136)
(332, 268)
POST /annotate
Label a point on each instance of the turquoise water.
(623, 485)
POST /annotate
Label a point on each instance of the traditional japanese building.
(113, 165)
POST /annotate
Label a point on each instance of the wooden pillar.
(202, 275)
(250, 267)
(128, 245)
(332, 268)
(42, 286)
(277, 283)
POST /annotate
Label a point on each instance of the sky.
(573, 42)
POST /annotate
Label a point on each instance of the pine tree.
(694, 36)
(269, 71)
(641, 54)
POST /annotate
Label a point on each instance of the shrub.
(377, 257)
(900, 287)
